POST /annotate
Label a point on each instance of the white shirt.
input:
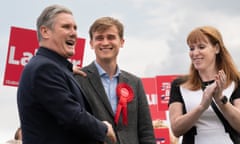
(210, 129)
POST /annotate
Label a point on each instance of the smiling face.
(106, 44)
(203, 54)
(62, 37)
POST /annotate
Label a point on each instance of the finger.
(113, 138)
(82, 73)
(222, 75)
(79, 71)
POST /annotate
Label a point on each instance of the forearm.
(231, 113)
(181, 123)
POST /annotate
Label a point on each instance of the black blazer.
(51, 106)
(139, 129)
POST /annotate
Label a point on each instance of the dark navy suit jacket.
(51, 106)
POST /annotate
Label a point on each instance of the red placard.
(23, 45)
(149, 85)
(163, 90)
(162, 136)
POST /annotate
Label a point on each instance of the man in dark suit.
(113, 94)
(52, 107)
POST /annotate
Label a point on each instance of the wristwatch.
(224, 99)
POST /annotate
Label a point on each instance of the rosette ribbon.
(125, 95)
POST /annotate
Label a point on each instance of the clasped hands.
(214, 90)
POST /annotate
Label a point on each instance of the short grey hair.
(48, 15)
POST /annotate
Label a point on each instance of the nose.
(195, 51)
(73, 32)
(105, 41)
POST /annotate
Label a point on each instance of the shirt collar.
(56, 57)
(102, 72)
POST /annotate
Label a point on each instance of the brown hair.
(224, 60)
(103, 23)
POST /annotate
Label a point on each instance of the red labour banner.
(162, 136)
(23, 45)
(163, 90)
(149, 85)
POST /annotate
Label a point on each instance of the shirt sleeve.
(175, 94)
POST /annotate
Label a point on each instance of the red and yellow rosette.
(125, 95)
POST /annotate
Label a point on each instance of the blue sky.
(155, 35)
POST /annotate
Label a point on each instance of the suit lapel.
(70, 75)
(96, 83)
(122, 78)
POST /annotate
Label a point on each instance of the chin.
(70, 54)
(200, 68)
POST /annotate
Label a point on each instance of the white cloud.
(137, 54)
(155, 33)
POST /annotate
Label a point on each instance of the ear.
(90, 42)
(122, 43)
(217, 48)
(44, 31)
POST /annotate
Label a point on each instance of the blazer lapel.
(96, 83)
(122, 78)
(74, 80)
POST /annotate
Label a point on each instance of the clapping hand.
(220, 80)
(208, 94)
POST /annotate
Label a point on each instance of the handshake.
(110, 132)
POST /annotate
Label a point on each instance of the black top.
(175, 94)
